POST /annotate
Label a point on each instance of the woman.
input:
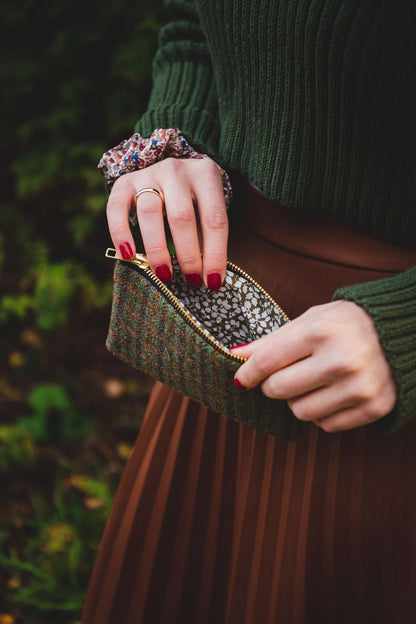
(215, 522)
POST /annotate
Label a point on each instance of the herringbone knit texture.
(320, 116)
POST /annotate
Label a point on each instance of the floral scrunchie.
(138, 153)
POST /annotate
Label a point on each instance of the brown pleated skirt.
(216, 523)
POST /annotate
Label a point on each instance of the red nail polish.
(163, 272)
(244, 344)
(238, 384)
(214, 281)
(193, 279)
(126, 251)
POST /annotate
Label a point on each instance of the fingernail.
(238, 384)
(163, 272)
(244, 344)
(193, 279)
(214, 281)
(126, 251)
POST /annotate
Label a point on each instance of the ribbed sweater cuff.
(392, 305)
(184, 97)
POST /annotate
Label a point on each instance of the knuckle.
(209, 165)
(340, 365)
(171, 165)
(363, 391)
(188, 259)
(267, 390)
(123, 188)
(299, 410)
(262, 364)
(314, 312)
(118, 230)
(181, 216)
(373, 411)
(381, 405)
(216, 220)
(328, 426)
(146, 208)
(270, 388)
(204, 164)
(319, 328)
(120, 183)
(155, 250)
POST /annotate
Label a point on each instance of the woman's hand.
(189, 185)
(328, 364)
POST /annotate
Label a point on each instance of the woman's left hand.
(329, 365)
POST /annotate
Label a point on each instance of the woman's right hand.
(194, 194)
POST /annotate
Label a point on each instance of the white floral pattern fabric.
(235, 314)
(138, 153)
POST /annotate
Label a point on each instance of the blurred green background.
(74, 79)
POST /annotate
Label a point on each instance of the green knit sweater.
(313, 101)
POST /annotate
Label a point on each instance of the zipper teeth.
(140, 263)
(264, 292)
(187, 317)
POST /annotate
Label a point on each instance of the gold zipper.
(236, 269)
(142, 263)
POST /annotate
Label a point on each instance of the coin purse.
(181, 335)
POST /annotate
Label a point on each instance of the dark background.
(74, 79)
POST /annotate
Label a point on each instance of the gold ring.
(151, 190)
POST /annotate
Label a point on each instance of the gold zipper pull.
(139, 259)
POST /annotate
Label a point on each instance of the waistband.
(322, 238)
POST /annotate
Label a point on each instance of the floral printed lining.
(236, 313)
(137, 153)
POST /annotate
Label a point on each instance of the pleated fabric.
(216, 523)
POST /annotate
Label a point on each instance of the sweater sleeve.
(184, 92)
(392, 304)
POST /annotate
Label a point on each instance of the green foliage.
(16, 446)
(55, 417)
(75, 82)
(53, 291)
(75, 78)
(50, 568)
(76, 71)
(53, 287)
(16, 306)
(97, 490)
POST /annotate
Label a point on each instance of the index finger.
(209, 196)
(271, 353)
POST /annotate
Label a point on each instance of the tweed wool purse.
(181, 335)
